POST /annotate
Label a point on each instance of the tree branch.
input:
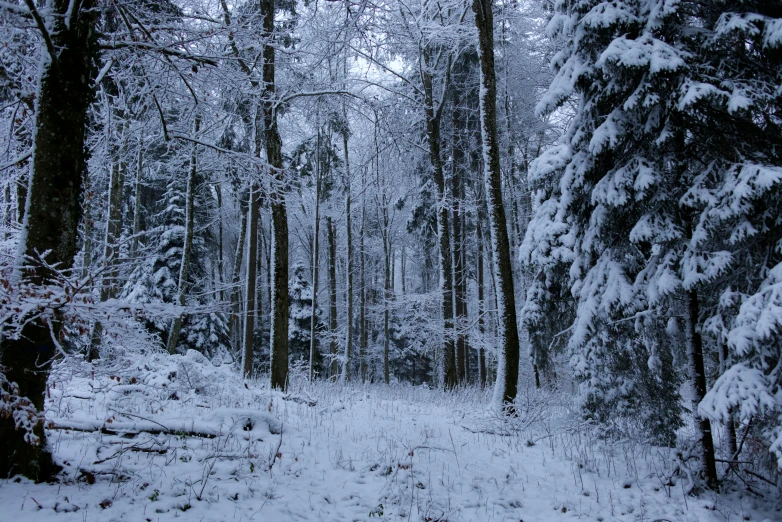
(42, 27)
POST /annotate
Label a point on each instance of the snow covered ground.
(182, 439)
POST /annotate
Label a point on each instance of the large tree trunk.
(279, 315)
(52, 215)
(508, 364)
(184, 269)
(443, 228)
(332, 234)
(698, 378)
(253, 211)
(349, 266)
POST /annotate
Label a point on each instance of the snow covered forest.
(430, 260)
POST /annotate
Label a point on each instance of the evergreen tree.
(657, 189)
(300, 315)
(156, 279)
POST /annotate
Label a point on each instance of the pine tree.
(649, 201)
(156, 279)
(300, 317)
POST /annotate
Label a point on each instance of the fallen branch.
(129, 431)
(300, 400)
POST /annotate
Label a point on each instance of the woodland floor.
(182, 439)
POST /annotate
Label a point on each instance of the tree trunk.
(386, 295)
(87, 224)
(184, 269)
(279, 315)
(481, 309)
(219, 197)
(349, 266)
(460, 306)
(332, 234)
(462, 292)
(262, 248)
(508, 363)
(362, 312)
(7, 220)
(315, 263)
(443, 228)
(253, 211)
(52, 215)
(109, 281)
(730, 424)
(137, 196)
(403, 270)
(698, 378)
(236, 310)
(21, 197)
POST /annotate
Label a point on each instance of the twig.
(276, 451)
(454, 449)
(761, 477)
(42, 27)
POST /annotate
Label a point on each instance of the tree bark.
(362, 312)
(443, 227)
(253, 211)
(386, 294)
(187, 249)
(698, 378)
(481, 309)
(349, 266)
(109, 281)
(236, 310)
(508, 369)
(219, 197)
(315, 263)
(332, 235)
(460, 306)
(137, 196)
(279, 315)
(52, 215)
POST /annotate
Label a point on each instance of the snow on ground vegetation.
(177, 438)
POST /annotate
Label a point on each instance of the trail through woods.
(177, 438)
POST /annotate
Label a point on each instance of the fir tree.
(658, 187)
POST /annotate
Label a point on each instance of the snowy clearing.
(189, 441)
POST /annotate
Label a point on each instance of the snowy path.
(373, 453)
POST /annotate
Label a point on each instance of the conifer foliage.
(661, 205)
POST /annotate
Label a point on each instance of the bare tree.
(508, 367)
(279, 314)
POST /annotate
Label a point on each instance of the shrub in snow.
(26, 416)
